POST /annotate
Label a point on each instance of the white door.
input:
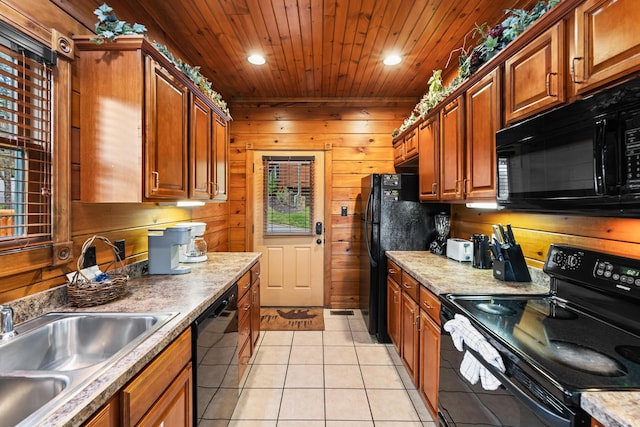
(288, 227)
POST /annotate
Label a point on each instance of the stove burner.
(585, 359)
(493, 308)
(629, 352)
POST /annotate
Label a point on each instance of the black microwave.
(583, 157)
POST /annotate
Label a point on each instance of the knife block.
(513, 268)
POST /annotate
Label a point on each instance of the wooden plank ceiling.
(315, 49)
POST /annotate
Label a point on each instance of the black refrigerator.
(392, 219)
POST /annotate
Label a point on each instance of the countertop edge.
(78, 407)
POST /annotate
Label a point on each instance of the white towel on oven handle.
(462, 332)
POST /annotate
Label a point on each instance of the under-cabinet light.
(182, 203)
(484, 205)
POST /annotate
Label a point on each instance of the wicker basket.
(83, 292)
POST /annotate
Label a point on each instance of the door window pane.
(288, 192)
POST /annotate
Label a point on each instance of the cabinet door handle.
(395, 297)
(465, 185)
(210, 189)
(547, 84)
(434, 188)
(418, 324)
(411, 316)
(156, 180)
(392, 271)
(427, 305)
(573, 70)
(406, 285)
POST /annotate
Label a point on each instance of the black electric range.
(584, 335)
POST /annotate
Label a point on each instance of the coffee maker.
(443, 225)
(196, 249)
(163, 250)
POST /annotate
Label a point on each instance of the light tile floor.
(338, 377)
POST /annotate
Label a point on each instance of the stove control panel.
(594, 269)
(617, 273)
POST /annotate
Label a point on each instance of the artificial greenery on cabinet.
(109, 27)
(492, 41)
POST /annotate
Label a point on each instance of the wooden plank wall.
(114, 221)
(360, 140)
(535, 232)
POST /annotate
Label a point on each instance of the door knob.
(319, 241)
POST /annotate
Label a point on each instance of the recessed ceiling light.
(256, 59)
(392, 60)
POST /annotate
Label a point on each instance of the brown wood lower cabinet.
(409, 333)
(248, 316)
(413, 323)
(393, 311)
(255, 304)
(429, 350)
(161, 394)
(108, 416)
(162, 389)
(174, 407)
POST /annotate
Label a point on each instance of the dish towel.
(462, 332)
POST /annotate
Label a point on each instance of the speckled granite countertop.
(442, 275)
(188, 295)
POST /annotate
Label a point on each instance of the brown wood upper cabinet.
(607, 43)
(147, 133)
(483, 112)
(209, 153)
(220, 158)
(166, 134)
(534, 76)
(406, 148)
(429, 164)
(451, 150)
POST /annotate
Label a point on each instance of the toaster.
(460, 249)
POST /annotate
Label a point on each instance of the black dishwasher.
(215, 361)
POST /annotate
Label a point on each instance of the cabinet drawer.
(393, 271)
(144, 390)
(410, 286)
(430, 303)
(255, 272)
(244, 283)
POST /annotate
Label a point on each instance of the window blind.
(288, 194)
(25, 147)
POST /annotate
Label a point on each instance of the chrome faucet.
(6, 323)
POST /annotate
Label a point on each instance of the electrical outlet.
(89, 257)
(120, 245)
(343, 211)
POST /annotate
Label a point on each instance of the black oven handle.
(550, 417)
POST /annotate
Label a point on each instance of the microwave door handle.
(600, 156)
(550, 417)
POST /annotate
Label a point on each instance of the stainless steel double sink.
(56, 354)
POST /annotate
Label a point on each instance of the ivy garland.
(109, 27)
(492, 41)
